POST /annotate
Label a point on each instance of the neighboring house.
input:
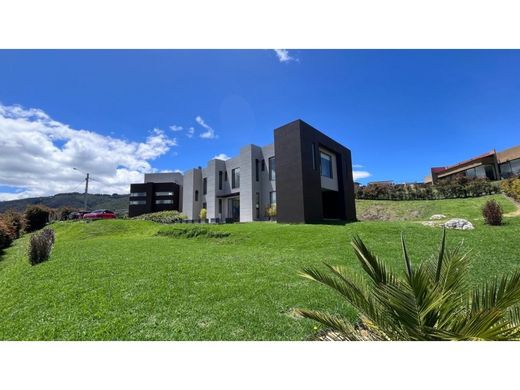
(492, 165)
(306, 175)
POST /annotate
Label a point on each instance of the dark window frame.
(329, 163)
(219, 180)
(196, 195)
(204, 186)
(257, 170)
(272, 168)
(271, 198)
(235, 178)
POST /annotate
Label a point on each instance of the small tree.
(270, 212)
(492, 213)
(37, 217)
(203, 214)
(15, 220)
(6, 234)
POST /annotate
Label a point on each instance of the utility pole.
(86, 192)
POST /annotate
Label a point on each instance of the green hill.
(121, 280)
(115, 202)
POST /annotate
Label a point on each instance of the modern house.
(492, 165)
(304, 174)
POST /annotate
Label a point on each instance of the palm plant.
(431, 301)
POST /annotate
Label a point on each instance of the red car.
(100, 214)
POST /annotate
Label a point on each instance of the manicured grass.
(416, 210)
(119, 280)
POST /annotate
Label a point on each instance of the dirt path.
(515, 213)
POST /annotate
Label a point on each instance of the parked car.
(77, 214)
(100, 214)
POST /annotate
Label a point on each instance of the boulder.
(459, 224)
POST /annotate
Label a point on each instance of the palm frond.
(347, 330)
(440, 258)
(375, 268)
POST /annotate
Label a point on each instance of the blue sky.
(400, 112)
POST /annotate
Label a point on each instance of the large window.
(204, 186)
(272, 198)
(326, 164)
(235, 178)
(272, 168)
(137, 194)
(219, 180)
(137, 202)
(164, 201)
(164, 193)
(257, 170)
(196, 195)
(220, 206)
(481, 172)
(510, 168)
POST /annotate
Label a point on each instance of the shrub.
(431, 301)
(192, 232)
(270, 212)
(203, 214)
(171, 216)
(457, 187)
(16, 221)
(40, 246)
(6, 234)
(37, 217)
(62, 214)
(492, 213)
(511, 187)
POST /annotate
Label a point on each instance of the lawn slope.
(119, 280)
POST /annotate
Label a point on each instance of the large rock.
(459, 224)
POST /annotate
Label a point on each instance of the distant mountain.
(115, 202)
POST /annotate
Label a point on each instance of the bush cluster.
(11, 227)
(492, 213)
(511, 187)
(6, 234)
(40, 246)
(170, 216)
(192, 232)
(459, 187)
(37, 217)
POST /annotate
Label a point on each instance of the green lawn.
(413, 210)
(118, 280)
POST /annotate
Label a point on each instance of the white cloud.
(283, 55)
(357, 166)
(360, 175)
(209, 133)
(178, 171)
(190, 132)
(39, 154)
(176, 128)
(222, 156)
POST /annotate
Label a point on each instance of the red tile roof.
(443, 169)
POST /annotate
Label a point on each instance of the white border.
(259, 24)
(258, 365)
